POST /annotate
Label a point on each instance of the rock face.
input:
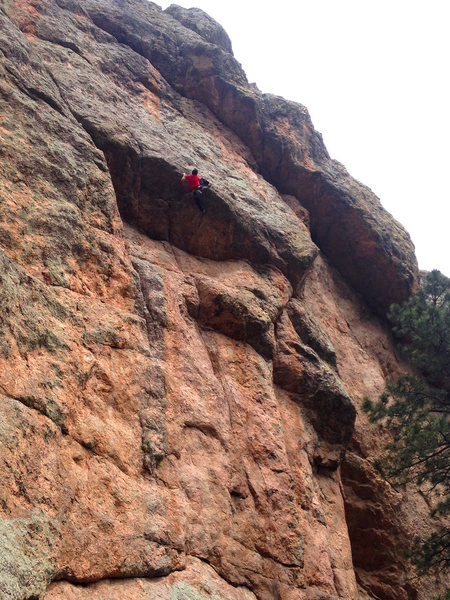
(178, 390)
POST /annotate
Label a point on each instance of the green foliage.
(422, 324)
(421, 447)
(416, 410)
(432, 553)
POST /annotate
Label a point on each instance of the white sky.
(374, 75)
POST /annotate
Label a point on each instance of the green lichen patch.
(26, 557)
(104, 335)
(47, 407)
(184, 591)
(27, 310)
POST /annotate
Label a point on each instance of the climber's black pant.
(197, 195)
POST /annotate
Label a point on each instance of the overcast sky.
(374, 77)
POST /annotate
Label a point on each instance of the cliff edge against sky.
(180, 391)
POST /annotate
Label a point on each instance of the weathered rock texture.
(178, 390)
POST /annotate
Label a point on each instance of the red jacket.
(193, 181)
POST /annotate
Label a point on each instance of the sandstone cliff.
(178, 390)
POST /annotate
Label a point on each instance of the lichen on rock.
(27, 561)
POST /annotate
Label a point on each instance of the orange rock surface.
(180, 391)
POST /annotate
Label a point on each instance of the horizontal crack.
(64, 431)
(34, 93)
(221, 575)
(66, 44)
(136, 578)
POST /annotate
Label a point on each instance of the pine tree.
(416, 410)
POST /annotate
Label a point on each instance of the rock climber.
(196, 185)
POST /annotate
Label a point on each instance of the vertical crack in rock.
(152, 416)
(300, 369)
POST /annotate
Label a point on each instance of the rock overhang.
(348, 223)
